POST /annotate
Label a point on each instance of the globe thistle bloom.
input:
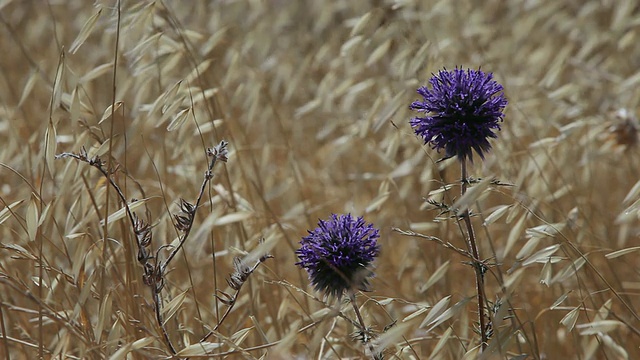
(338, 253)
(462, 109)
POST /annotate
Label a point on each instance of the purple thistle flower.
(462, 110)
(338, 253)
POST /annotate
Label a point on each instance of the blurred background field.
(313, 99)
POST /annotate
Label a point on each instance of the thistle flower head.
(462, 109)
(338, 253)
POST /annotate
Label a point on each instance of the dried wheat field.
(162, 160)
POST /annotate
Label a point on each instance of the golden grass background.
(313, 98)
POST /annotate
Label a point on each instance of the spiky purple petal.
(462, 110)
(338, 253)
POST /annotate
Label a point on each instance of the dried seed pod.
(182, 222)
(187, 207)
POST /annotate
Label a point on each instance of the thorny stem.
(165, 335)
(218, 153)
(363, 328)
(99, 164)
(478, 266)
(232, 301)
(224, 316)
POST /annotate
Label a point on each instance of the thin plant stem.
(230, 300)
(363, 328)
(224, 316)
(478, 266)
(160, 320)
(218, 154)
